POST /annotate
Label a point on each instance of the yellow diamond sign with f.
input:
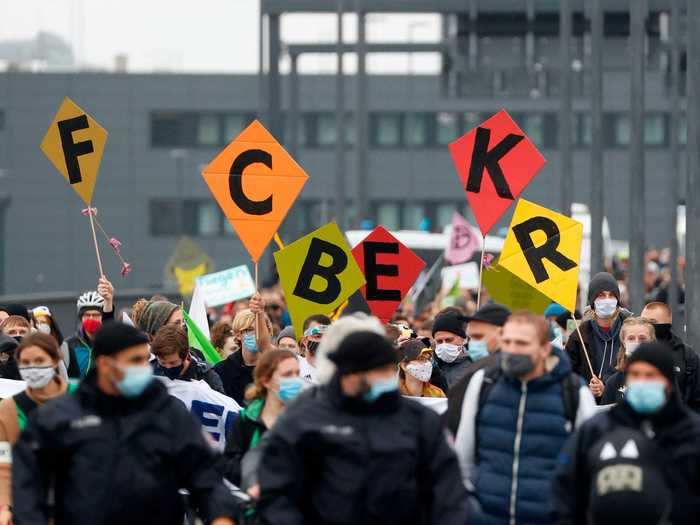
(318, 273)
(543, 249)
(74, 143)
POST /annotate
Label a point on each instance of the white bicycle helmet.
(90, 300)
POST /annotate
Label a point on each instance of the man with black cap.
(450, 353)
(484, 330)
(353, 451)
(639, 462)
(600, 330)
(118, 450)
(686, 361)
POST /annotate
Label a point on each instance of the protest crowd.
(355, 387)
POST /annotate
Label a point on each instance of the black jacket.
(235, 376)
(614, 389)
(331, 459)
(114, 461)
(455, 396)
(687, 371)
(676, 436)
(574, 348)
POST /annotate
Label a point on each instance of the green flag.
(199, 341)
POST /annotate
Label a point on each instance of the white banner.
(10, 387)
(216, 412)
(226, 286)
(439, 404)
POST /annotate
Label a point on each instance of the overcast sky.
(204, 35)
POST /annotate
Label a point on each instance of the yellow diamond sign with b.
(318, 273)
(543, 249)
(74, 143)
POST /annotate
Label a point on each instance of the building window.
(163, 217)
(387, 129)
(471, 120)
(683, 129)
(446, 128)
(208, 130)
(414, 217)
(583, 130)
(326, 129)
(621, 130)
(655, 130)
(389, 215)
(415, 129)
(201, 218)
(533, 126)
(233, 125)
(167, 130)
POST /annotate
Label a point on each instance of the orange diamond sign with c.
(255, 181)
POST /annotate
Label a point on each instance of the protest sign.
(255, 182)
(74, 143)
(216, 412)
(318, 273)
(543, 248)
(390, 268)
(508, 290)
(464, 241)
(226, 286)
(466, 275)
(495, 162)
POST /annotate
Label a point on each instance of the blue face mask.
(381, 387)
(250, 343)
(290, 388)
(135, 380)
(477, 349)
(646, 397)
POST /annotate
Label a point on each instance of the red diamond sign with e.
(495, 162)
(255, 182)
(390, 269)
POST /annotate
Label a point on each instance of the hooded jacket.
(508, 447)
(455, 370)
(687, 367)
(8, 365)
(114, 460)
(80, 351)
(331, 459)
(675, 432)
(602, 346)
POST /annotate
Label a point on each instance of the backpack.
(570, 385)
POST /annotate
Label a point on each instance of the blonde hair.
(245, 320)
(632, 321)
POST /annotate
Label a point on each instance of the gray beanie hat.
(287, 331)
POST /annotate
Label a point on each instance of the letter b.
(312, 266)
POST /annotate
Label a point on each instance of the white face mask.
(447, 352)
(43, 328)
(421, 370)
(630, 347)
(37, 376)
(605, 308)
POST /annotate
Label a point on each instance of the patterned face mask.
(421, 370)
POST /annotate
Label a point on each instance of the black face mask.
(17, 338)
(663, 331)
(312, 346)
(516, 365)
(173, 372)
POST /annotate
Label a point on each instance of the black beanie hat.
(361, 351)
(602, 282)
(656, 354)
(449, 322)
(114, 337)
(16, 309)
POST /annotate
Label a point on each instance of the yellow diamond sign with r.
(74, 143)
(318, 273)
(255, 182)
(543, 248)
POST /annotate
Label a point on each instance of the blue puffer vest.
(517, 453)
